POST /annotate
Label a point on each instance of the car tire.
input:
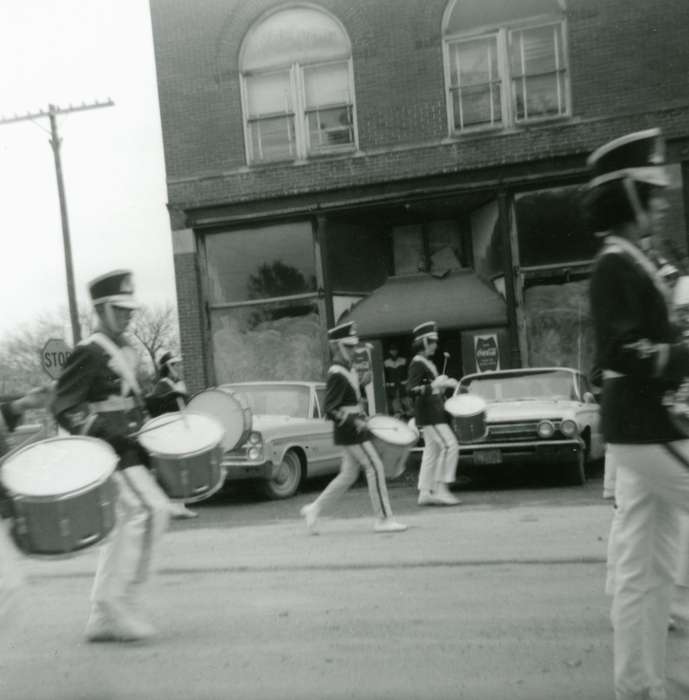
(576, 470)
(285, 479)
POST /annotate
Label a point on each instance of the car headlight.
(545, 429)
(254, 452)
(255, 438)
(568, 428)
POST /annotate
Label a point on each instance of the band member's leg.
(680, 602)
(11, 578)
(446, 472)
(429, 458)
(367, 456)
(349, 472)
(126, 559)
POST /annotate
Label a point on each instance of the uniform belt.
(351, 410)
(611, 374)
(114, 403)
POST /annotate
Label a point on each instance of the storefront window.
(261, 263)
(278, 341)
(430, 246)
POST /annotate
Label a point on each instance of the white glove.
(439, 381)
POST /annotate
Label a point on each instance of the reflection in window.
(297, 86)
(505, 62)
(279, 341)
(261, 263)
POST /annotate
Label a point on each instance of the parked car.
(542, 414)
(290, 439)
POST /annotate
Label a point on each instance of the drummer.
(98, 394)
(441, 450)
(168, 395)
(11, 413)
(343, 407)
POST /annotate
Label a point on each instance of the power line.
(55, 142)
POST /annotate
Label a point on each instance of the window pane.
(327, 85)
(261, 263)
(408, 253)
(481, 13)
(330, 128)
(533, 51)
(475, 82)
(272, 139)
(268, 94)
(271, 342)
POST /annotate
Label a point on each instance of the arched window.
(505, 62)
(297, 86)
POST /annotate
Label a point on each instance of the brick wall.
(627, 58)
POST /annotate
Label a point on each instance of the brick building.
(395, 161)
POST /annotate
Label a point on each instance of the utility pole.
(55, 143)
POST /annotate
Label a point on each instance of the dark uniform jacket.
(342, 405)
(8, 422)
(395, 375)
(87, 379)
(163, 398)
(428, 402)
(637, 346)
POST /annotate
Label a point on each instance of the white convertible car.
(543, 414)
(290, 439)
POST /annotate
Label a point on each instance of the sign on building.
(486, 352)
(54, 355)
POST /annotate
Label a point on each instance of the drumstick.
(446, 355)
(180, 405)
(155, 427)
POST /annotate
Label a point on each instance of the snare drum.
(468, 413)
(229, 409)
(186, 454)
(393, 439)
(62, 494)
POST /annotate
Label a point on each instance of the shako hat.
(639, 156)
(345, 333)
(116, 288)
(427, 330)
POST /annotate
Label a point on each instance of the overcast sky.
(74, 51)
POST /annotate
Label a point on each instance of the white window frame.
(502, 36)
(301, 128)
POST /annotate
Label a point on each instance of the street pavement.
(500, 597)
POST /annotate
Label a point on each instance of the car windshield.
(277, 400)
(548, 384)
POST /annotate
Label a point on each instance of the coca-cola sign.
(486, 352)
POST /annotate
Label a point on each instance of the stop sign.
(54, 355)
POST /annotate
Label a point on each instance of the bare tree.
(156, 330)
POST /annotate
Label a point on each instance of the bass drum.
(229, 409)
(393, 440)
(62, 494)
(468, 413)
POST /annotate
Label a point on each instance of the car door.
(324, 456)
(590, 415)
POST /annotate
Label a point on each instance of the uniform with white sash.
(98, 395)
(440, 452)
(642, 356)
(343, 407)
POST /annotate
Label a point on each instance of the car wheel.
(285, 479)
(576, 470)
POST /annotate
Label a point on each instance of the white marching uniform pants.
(126, 559)
(439, 457)
(11, 577)
(652, 494)
(356, 457)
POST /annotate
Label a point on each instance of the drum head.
(228, 410)
(180, 434)
(58, 466)
(465, 405)
(392, 430)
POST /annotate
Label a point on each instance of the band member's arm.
(336, 390)
(617, 310)
(421, 382)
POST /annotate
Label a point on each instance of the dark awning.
(460, 300)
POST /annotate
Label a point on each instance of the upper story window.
(505, 63)
(297, 87)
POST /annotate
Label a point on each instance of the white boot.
(444, 495)
(427, 498)
(388, 525)
(114, 622)
(310, 514)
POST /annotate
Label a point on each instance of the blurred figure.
(395, 367)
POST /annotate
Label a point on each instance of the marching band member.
(441, 450)
(98, 394)
(343, 407)
(642, 356)
(169, 395)
(11, 578)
